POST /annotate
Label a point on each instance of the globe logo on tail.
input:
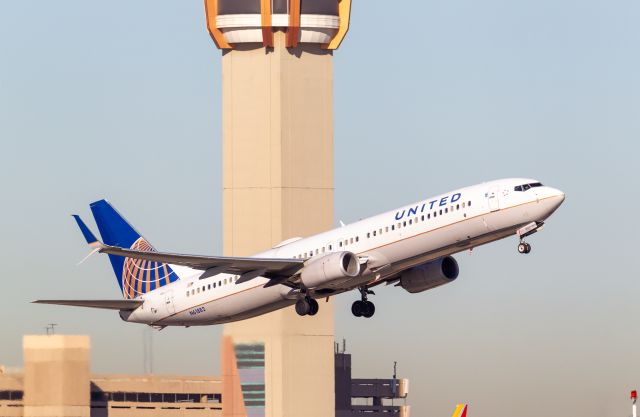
(140, 276)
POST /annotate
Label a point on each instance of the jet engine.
(430, 275)
(330, 270)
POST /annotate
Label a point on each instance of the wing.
(105, 304)
(269, 267)
(276, 269)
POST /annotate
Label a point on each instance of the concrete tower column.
(56, 376)
(278, 184)
(277, 96)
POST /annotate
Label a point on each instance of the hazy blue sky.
(121, 99)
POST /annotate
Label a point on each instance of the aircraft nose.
(556, 195)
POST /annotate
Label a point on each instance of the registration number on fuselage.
(197, 310)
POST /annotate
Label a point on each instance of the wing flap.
(104, 304)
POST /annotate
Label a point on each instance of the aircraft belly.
(244, 304)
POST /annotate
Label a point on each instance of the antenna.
(51, 329)
(394, 382)
(344, 345)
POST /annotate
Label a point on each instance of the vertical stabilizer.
(135, 276)
(461, 410)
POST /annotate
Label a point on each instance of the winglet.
(461, 410)
(88, 235)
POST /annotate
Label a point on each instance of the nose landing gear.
(524, 248)
(525, 231)
(363, 307)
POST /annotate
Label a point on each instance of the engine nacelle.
(330, 270)
(430, 275)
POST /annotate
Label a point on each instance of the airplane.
(461, 410)
(410, 248)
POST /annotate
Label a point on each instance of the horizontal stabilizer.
(105, 304)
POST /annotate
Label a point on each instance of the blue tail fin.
(135, 277)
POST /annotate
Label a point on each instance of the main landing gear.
(363, 307)
(307, 306)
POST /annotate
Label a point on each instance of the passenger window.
(463, 205)
(351, 241)
(423, 217)
(393, 227)
(368, 235)
(469, 204)
(404, 224)
(435, 214)
(374, 232)
(187, 293)
(458, 207)
(346, 242)
(330, 247)
(446, 210)
(357, 238)
(198, 290)
(323, 249)
(209, 287)
(410, 221)
(317, 251)
(386, 229)
(428, 215)
(380, 232)
(416, 220)
(441, 212)
(219, 283)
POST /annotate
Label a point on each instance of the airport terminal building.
(56, 382)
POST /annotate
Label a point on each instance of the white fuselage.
(389, 243)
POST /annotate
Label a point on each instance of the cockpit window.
(525, 187)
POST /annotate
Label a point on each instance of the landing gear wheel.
(357, 308)
(524, 247)
(303, 307)
(369, 309)
(314, 307)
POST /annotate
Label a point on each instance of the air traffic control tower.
(277, 95)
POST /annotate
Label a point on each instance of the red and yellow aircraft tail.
(461, 410)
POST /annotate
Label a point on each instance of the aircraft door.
(168, 302)
(492, 197)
